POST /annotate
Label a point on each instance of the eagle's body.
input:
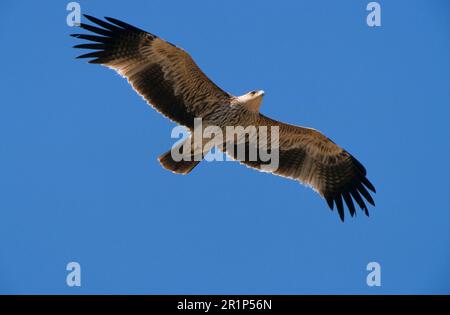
(168, 79)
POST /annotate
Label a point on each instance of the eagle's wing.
(309, 157)
(165, 75)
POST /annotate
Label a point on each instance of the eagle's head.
(252, 100)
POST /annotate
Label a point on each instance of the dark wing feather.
(165, 75)
(308, 156)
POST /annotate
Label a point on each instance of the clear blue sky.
(79, 179)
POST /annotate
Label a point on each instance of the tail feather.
(178, 167)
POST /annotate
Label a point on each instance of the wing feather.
(163, 74)
(311, 158)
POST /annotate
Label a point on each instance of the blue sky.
(79, 178)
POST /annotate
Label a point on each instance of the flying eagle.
(168, 79)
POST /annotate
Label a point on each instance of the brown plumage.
(168, 79)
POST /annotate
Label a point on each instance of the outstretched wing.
(309, 157)
(165, 75)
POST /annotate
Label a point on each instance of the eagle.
(170, 81)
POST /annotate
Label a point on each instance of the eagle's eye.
(253, 92)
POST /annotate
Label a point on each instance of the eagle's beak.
(261, 93)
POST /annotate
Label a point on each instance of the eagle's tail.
(178, 167)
